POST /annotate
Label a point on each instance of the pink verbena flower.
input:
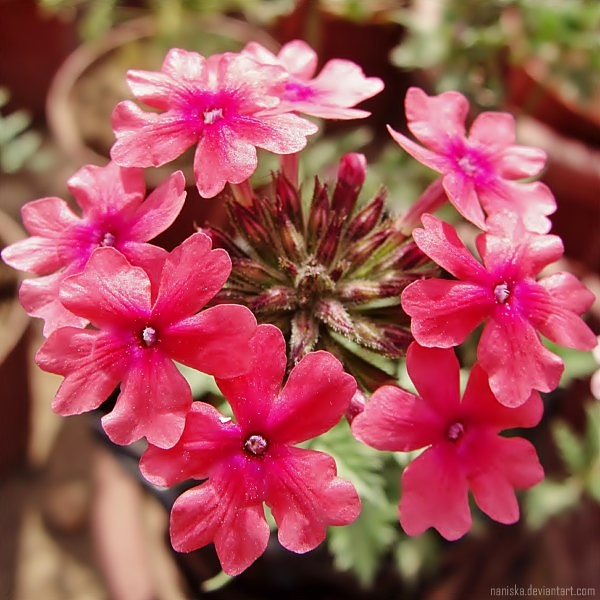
(505, 294)
(217, 103)
(463, 449)
(114, 213)
(479, 171)
(254, 459)
(141, 329)
(340, 85)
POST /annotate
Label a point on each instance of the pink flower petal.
(321, 404)
(298, 58)
(441, 243)
(208, 440)
(108, 189)
(221, 158)
(435, 494)
(558, 324)
(148, 139)
(516, 361)
(157, 394)
(436, 120)
(494, 131)
(519, 162)
(445, 312)
(530, 202)
(109, 291)
(91, 362)
(182, 64)
(40, 298)
(217, 511)
(306, 497)
(48, 217)
(481, 408)
(396, 420)
(568, 292)
(525, 254)
(35, 254)
(252, 395)
(430, 159)
(215, 341)
(462, 193)
(193, 273)
(160, 209)
(152, 88)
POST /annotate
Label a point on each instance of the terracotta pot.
(32, 46)
(14, 386)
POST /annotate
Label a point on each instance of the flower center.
(312, 282)
(212, 115)
(149, 336)
(108, 239)
(502, 293)
(455, 431)
(256, 445)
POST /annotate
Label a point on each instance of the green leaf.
(358, 547)
(572, 449)
(416, 555)
(550, 498)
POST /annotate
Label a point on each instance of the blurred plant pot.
(15, 397)
(32, 47)
(89, 84)
(530, 89)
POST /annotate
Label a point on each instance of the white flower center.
(502, 293)
(149, 336)
(212, 115)
(256, 445)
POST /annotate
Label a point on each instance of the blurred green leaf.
(550, 498)
(571, 448)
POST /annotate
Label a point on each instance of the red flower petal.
(159, 210)
(214, 341)
(192, 275)
(396, 420)
(516, 361)
(252, 395)
(441, 243)
(109, 291)
(445, 312)
(92, 363)
(217, 512)
(208, 440)
(154, 401)
(306, 496)
(316, 395)
(481, 408)
(148, 139)
(497, 465)
(435, 494)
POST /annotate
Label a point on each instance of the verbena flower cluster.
(281, 308)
